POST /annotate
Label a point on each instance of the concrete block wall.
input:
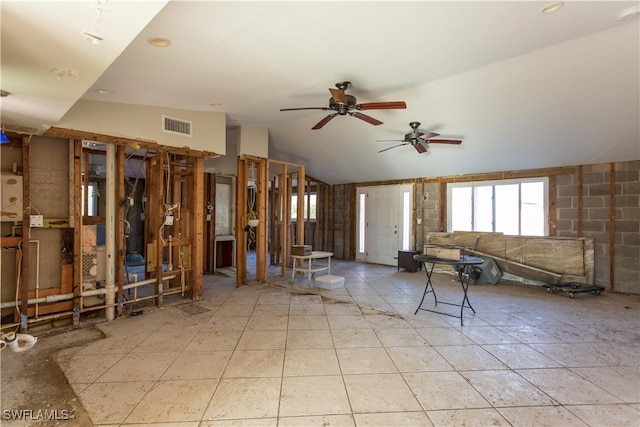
(615, 232)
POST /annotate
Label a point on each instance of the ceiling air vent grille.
(176, 126)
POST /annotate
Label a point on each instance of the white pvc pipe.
(110, 228)
(40, 300)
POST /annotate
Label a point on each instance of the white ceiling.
(522, 89)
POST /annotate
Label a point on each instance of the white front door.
(385, 222)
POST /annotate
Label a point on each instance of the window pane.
(507, 208)
(533, 209)
(406, 219)
(461, 209)
(483, 209)
(361, 224)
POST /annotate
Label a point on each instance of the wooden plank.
(491, 243)
(565, 256)
(55, 307)
(77, 229)
(198, 229)
(26, 230)
(66, 279)
(10, 242)
(261, 234)
(241, 222)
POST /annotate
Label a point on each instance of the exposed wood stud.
(612, 228)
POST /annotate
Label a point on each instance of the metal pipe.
(37, 242)
(110, 214)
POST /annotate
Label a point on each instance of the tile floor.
(283, 355)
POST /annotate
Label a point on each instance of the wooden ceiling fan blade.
(339, 96)
(420, 148)
(429, 135)
(393, 105)
(367, 119)
(389, 148)
(304, 108)
(324, 121)
(445, 141)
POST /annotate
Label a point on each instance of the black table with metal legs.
(462, 266)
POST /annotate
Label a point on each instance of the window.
(515, 207)
(312, 206)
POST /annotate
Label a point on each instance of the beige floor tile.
(86, 368)
(214, 340)
(418, 359)
(253, 422)
(622, 382)
(164, 341)
(255, 363)
(607, 415)
(262, 340)
(380, 393)
(365, 361)
(267, 323)
(489, 335)
(198, 365)
(312, 321)
(139, 367)
(469, 357)
(568, 355)
(315, 395)
(542, 416)
(520, 356)
(225, 323)
(348, 321)
(319, 421)
(395, 419)
(112, 402)
(271, 310)
(468, 417)
(506, 388)
(306, 309)
(115, 344)
(307, 339)
(567, 387)
(349, 338)
(231, 309)
(242, 398)
(444, 336)
(386, 321)
(400, 337)
(309, 362)
(336, 308)
(174, 401)
(614, 353)
(444, 390)
(530, 334)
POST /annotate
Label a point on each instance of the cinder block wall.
(603, 201)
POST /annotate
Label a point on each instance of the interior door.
(384, 222)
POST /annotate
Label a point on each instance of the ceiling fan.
(419, 140)
(343, 104)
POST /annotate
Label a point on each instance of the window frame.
(493, 184)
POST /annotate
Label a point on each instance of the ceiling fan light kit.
(344, 104)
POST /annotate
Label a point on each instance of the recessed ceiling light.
(552, 7)
(159, 42)
(103, 91)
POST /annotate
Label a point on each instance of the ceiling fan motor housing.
(341, 108)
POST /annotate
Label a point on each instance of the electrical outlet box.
(36, 221)
(168, 220)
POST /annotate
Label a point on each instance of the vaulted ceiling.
(521, 88)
